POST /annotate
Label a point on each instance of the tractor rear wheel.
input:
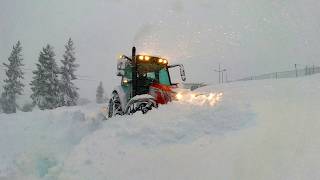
(143, 104)
(115, 107)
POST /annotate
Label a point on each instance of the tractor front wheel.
(115, 105)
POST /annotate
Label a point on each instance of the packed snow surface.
(258, 130)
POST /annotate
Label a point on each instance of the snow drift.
(259, 130)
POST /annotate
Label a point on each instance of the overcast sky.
(247, 37)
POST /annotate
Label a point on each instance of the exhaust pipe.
(134, 72)
(133, 52)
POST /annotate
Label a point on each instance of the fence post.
(306, 73)
(312, 69)
(276, 75)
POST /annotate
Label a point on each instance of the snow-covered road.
(259, 130)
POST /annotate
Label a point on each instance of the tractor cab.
(145, 83)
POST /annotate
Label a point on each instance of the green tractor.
(145, 83)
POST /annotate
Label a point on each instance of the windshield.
(161, 76)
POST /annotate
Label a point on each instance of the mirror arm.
(174, 65)
(126, 57)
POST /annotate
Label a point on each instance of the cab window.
(164, 77)
(161, 76)
(151, 75)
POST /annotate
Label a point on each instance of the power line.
(83, 79)
(84, 76)
(24, 68)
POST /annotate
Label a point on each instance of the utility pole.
(219, 71)
(223, 70)
(227, 78)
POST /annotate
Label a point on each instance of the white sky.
(247, 37)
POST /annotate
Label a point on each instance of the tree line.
(52, 85)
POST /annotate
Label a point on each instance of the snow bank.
(136, 147)
(34, 145)
(259, 130)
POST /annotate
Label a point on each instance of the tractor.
(145, 83)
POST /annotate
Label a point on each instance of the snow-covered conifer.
(13, 85)
(45, 83)
(100, 94)
(69, 94)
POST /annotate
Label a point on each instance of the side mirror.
(182, 73)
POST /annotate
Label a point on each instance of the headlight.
(179, 96)
(147, 58)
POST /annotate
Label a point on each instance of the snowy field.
(259, 130)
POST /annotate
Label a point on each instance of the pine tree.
(13, 85)
(100, 94)
(69, 94)
(1, 104)
(45, 83)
